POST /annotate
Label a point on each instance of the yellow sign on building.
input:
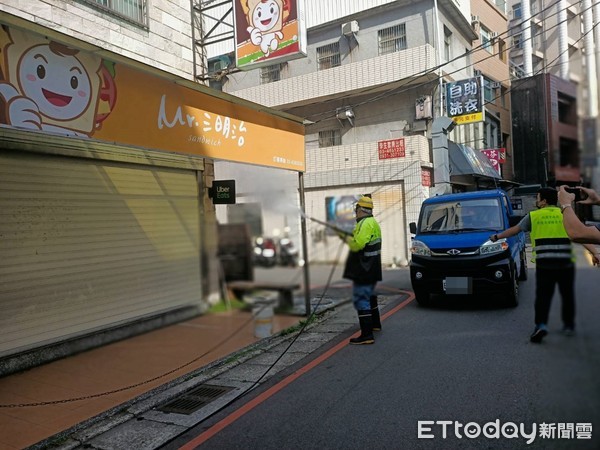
(46, 85)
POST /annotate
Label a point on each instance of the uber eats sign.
(222, 192)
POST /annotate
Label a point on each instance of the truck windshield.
(466, 215)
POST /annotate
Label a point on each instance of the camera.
(579, 194)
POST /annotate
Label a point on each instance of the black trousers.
(546, 278)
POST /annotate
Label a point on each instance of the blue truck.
(452, 254)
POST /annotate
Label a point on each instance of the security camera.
(349, 114)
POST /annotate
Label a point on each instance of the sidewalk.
(44, 401)
(106, 377)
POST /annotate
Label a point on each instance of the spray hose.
(329, 225)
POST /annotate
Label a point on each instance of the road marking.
(216, 428)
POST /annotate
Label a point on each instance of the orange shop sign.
(48, 86)
(392, 148)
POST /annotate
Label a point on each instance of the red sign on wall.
(426, 177)
(498, 154)
(392, 148)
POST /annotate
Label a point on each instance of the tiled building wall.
(166, 42)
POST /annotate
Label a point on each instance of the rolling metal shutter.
(86, 245)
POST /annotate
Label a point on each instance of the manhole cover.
(194, 399)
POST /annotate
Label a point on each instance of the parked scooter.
(265, 252)
(288, 253)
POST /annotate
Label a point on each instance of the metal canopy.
(466, 161)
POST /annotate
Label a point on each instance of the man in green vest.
(554, 258)
(363, 267)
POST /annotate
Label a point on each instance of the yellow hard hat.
(365, 202)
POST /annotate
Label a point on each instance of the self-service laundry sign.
(464, 100)
(223, 192)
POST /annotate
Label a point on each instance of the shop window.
(392, 39)
(330, 138)
(328, 56)
(134, 10)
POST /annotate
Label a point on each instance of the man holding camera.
(554, 258)
(578, 231)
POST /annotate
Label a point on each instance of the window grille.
(329, 138)
(328, 56)
(270, 74)
(392, 39)
(134, 10)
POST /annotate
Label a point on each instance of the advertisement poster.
(340, 212)
(48, 86)
(268, 32)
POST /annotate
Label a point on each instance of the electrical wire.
(331, 114)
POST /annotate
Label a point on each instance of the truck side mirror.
(514, 220)
(412, 227)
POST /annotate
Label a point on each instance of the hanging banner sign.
(268, 32)
(464, 100)
(49, 86)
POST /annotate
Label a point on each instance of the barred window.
(328, 56)
(392, 39)
(329, 138)
(270, 74)
(134, 10)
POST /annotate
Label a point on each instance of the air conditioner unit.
(350, 28)
(345, 114)
(494, 34)
(423, 107)
(477, 72)
(474, 20)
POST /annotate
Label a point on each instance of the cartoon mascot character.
(45, 85)
(265, 20)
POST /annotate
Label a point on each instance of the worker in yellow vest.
(554, 258)
(363, 267)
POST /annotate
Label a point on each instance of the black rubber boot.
(375, 313)
(366, 329)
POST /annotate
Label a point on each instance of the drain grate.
(194, 399)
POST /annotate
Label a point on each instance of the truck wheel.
(512, 295)
(423, 298)
(523, 273)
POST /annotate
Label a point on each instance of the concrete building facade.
(547, 59)
(369, 90)
(491, 60)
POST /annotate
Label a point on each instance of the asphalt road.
(457, 362)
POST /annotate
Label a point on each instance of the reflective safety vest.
(548, 235)
(363, 265)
